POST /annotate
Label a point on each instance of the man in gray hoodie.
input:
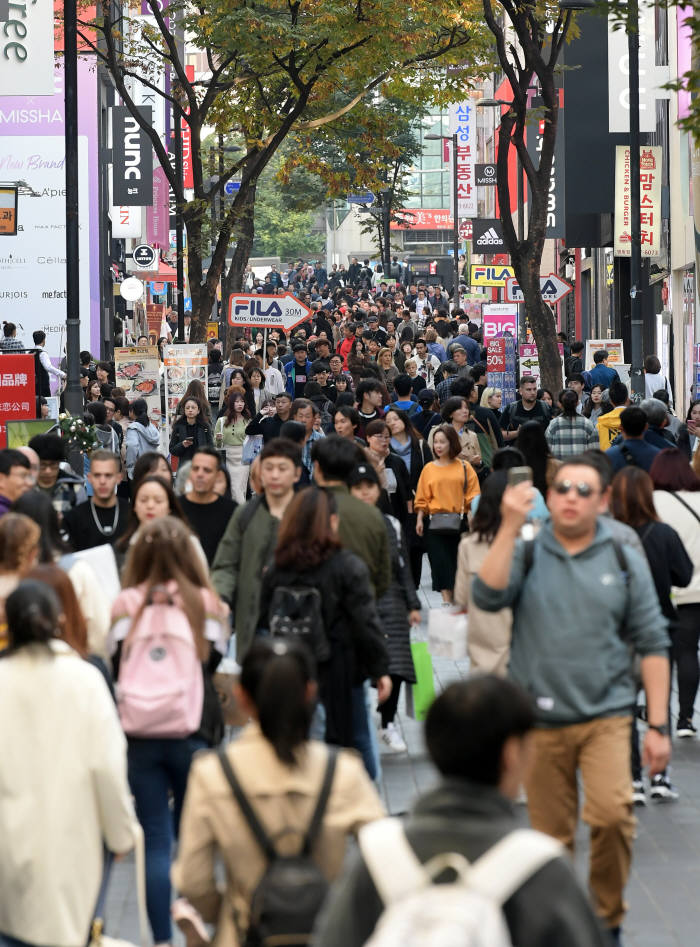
(576, 617)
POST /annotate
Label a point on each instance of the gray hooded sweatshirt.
(575, 619)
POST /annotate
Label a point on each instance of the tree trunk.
(233, 280)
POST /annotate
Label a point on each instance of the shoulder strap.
(528, 555)
(508, 864)
(393, 866)
(316, 819)
(244, 805)
(686, 505)
(621, 560)
(248, 513)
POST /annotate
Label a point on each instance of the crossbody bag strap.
(320, 810)
(464, 488)
(261, 836)
(686, 505)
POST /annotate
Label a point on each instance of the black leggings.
(685, 656)
(388, 708)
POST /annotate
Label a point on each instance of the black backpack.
(290, 894)
(296, 612)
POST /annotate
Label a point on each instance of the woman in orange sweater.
(446, 485)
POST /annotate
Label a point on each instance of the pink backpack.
(160, 690)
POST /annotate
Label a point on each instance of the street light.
(455, 211)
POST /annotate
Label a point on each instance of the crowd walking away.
(229, 632)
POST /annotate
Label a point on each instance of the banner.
(422, 219)
(652, 77)
(614, 347)
(530, 363)
(499, 319)
(463, 123)
(26, 47)
(187, 174)
(650, 158)
(137, 371)
(183, 364)
(126, 221)
(132, 158)
(500, 368)
(157, 215)
(17, 391)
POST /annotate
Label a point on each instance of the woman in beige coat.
(63, 787)
(281, 773)
(488, 640)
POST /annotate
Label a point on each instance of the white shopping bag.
(447, 634)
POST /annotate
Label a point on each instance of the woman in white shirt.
(654, 378)
(677, 502)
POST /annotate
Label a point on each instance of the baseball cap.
(361, 473)
(427, 395)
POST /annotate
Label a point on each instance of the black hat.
(427, 395)
(372, 317)
(364, 472)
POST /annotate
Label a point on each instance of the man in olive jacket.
(361, 527)
(250, 539)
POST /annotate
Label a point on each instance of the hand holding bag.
(97, 938)
(447, 634)
(450, 523)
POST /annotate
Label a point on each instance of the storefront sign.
(17, 391)
(26, 47)
(132, 158)
(650, 158)
(423, 219)
(556, 213)
(500, 368)
(614, 347)
(499, 319)
(530, 362)
(463, 123)
(487, 236)
(484, 275)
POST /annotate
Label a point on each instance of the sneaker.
(190, 923)
(662, 790)
(391, 738)
(685, 728)
(639, 797)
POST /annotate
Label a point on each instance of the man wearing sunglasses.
(576, 618)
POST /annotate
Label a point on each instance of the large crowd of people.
(283, 532)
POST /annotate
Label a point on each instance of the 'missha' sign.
(26, 47)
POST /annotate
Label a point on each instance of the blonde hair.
(488, 393)
(381, 352)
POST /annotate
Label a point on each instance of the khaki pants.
(600, 749)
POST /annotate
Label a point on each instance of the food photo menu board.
(137, 371)
(183, 364)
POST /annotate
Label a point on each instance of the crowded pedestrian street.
(349, 474)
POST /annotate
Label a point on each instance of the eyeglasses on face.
(583, 489)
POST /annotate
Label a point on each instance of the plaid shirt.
(306, 450)
(570, 436)
(8, 344)
(444, 389)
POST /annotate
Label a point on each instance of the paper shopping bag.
(419, 696)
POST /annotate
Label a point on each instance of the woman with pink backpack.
(168, 635)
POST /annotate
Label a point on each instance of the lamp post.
(455, 212)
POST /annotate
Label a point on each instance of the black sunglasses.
(582, 488)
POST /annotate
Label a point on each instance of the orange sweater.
(440, 489)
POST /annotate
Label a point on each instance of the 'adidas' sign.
(488, 238)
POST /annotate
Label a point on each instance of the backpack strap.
(259, 833)
(528, 555)
(508, 864)
(393, 865)
(316, 819)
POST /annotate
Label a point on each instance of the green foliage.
(282, 221)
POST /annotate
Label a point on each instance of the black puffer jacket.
(395, 604)
(358, 644)
(200, 434)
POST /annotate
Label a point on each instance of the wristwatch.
(662, 729)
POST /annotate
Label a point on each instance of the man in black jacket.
(477, 733)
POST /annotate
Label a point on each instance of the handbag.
(447, 634)
(419, 696)
(97, 938)
(449, 524)
(252, 446)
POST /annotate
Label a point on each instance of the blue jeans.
(156, 767)
(364, 737)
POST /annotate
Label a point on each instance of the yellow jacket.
(609, 426)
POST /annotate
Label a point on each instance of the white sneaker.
(391, 737)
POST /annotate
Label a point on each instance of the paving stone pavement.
(664, 906)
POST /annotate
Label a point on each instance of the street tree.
(529, 41)
(271, 67)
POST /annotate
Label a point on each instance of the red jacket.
(344, 350)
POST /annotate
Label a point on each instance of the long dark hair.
(487, 519)
(534, 448)
(632, 497)
(140, 409)
(305, 539)
(230, 411)
(32, 612)
(38, 507)
(175, 509)
(276, 675)
(414, 435)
